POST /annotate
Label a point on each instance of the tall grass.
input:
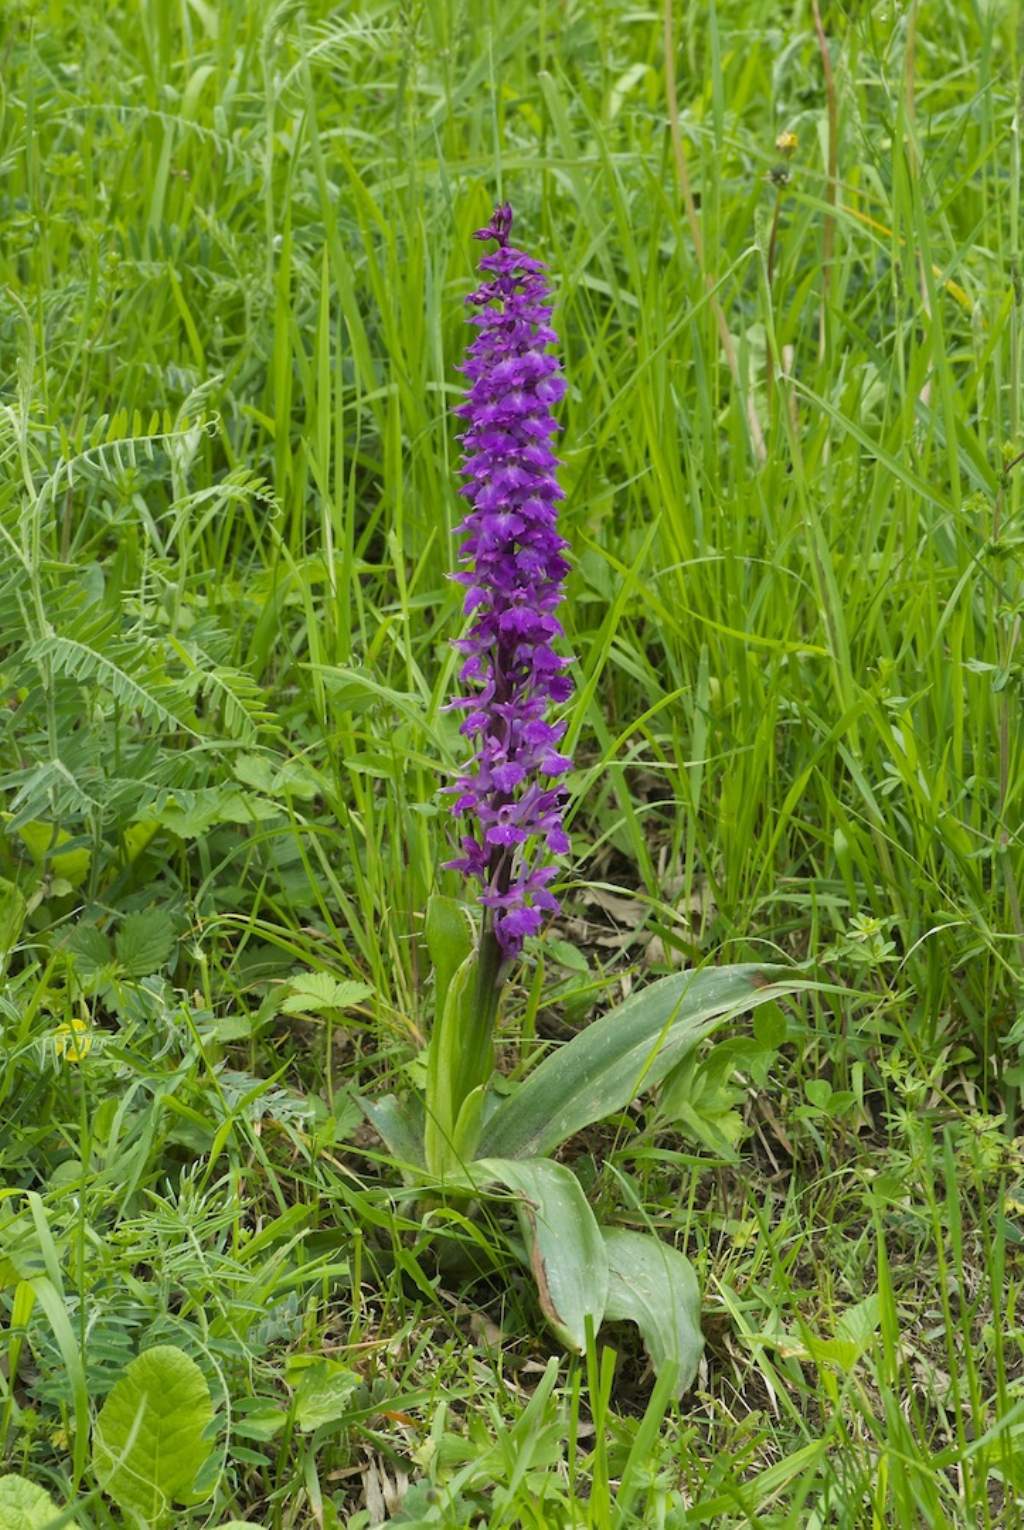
(236, 240)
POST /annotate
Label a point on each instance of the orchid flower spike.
(514, 568)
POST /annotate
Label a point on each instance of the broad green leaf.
(449, 941)
(43, 842)
(567, 955)
(860, 1322)
(262, 1423)
(399, 1126)
(313, 992)
(720, 1132)
(628, 1050)
(445, 1066)
(148, 1442)
(654, 1286)
(137, 836)
(818, 1091)
(144, 941)
(566, 1251)
(23, 1506)
(230, 1027)
(467, 1127)
(20, 1259)
(12, 915)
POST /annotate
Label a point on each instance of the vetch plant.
(463, 1136)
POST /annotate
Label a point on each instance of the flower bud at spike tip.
(514, 567)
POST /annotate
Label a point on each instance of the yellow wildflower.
(72, 1042)
(787, 143)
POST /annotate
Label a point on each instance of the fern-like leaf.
(77, 660)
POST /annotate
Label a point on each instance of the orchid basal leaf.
(564, 1243)
(625, 1052)
(654, 1286)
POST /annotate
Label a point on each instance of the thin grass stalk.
(828, 227)
(693, 219)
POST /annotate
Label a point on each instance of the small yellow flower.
(787, 143)
(72, 1042)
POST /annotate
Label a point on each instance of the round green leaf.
(148, 1443)
(23, 1506)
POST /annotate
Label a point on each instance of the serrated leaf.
(144, 941)
(564, 1243)
(653, 1285)
(627, 1051)
(312, 992)
(255, 770)
(212, 805)
(278, 778)
(23, 1506)
(324, 1394)
(148, 1444)
(90, 950)
(231, 1027)
(859, 1323)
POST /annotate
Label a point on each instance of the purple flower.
(515, 562)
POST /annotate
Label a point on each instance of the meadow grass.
(235, 247)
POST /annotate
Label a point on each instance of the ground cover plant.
(236, 247)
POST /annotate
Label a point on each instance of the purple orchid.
(513, 588)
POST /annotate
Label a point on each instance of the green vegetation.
(235, 247)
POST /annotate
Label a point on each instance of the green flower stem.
(461, 1057)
